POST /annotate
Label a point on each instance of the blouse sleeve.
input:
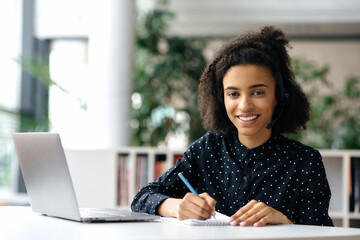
(167, 185)
(314, 193)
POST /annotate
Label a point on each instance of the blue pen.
(188, 184)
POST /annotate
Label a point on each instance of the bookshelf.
(341, 176)
(111, 178)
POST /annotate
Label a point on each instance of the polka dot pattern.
(282, 173)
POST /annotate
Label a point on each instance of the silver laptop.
(48, 182)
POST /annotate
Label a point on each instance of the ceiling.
(305, 18)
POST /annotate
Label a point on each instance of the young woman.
(243, 166)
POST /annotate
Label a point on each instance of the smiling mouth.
(250, 118)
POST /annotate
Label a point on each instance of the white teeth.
(248, 118)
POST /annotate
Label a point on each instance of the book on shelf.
(160, 165)
(141, 171)
(123, 180)
(357, 185)
(177, 157)
(354, 190)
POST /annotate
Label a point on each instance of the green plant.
(167, 71)
(335, 114)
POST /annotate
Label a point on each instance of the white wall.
(342, 57)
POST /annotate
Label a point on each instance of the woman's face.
(249, 96)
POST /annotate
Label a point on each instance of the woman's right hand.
(191, 206)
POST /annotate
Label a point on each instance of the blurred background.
(115, 73)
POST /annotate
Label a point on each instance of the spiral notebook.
(219, 220)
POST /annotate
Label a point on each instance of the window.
(9, 90)
(68, 99)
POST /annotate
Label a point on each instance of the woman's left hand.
(258, 214)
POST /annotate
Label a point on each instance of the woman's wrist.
(169, 207)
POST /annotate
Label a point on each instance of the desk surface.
(21, 223)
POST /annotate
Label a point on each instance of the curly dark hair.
(267, 48)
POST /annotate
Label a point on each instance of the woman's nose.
(245, 104)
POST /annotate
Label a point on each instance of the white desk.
(19, 223)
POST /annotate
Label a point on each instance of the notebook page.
(219, 220)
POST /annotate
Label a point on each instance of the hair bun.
(273, 36)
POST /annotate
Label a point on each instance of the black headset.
(284, 97)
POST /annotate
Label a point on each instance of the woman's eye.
(258, 93)
(232, 94)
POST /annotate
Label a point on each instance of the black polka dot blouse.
(284, 174)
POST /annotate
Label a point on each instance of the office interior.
(88, 47)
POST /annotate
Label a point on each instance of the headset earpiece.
(284, 97)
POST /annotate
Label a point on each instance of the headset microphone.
(271, 124)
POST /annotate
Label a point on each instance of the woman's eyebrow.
(231, 88)
(250, 87)
(258, 85)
